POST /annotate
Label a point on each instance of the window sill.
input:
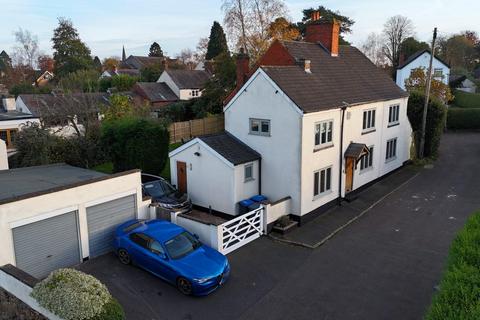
(323, 147)
(391, 159)
(367, 131)
(321, 195)
(366, 170)
(248, 180)
(393, 124)
(259, 134)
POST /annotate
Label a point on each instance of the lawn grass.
(107, 167)
(459, 295)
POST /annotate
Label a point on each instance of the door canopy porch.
(356, 151)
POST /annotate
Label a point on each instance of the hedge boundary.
(459, 295)
(466, 99)
(463, 118)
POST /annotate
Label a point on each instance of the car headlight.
(201, 280)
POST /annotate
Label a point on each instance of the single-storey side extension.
(217, 171)
(57, 216)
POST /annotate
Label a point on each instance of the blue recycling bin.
(259, 198)
(244, 205)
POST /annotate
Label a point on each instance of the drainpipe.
(345, 105)
(260, 176)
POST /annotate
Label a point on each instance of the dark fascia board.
(66, 187)
(414, 56)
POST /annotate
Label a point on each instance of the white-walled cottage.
(12, 119)
(217, 171)
(186, 84)
(421, 59)
(324, 119)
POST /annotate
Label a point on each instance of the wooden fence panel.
(187, 130)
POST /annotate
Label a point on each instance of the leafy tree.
(111, 63)
(155, 50)
(134, 143)
(346, 23)
(97, 64)
(27, 88)
(80, 81)
(282, 29)
(120, 107)
(411, 45)
(151, 73)
(70, 53)
(217, 43)
(418, 81)
(46, 63)
(459, 51)
(437, 112)
(123, 82)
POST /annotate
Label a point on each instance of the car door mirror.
(196, 236)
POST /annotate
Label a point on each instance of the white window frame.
(366, 162)
(435, 70)
(327, 185)
(328, 130)
(245, 178)
(369, 126)
(393, 115)
(260, 124)
(391, 150)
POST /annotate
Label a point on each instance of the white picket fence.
(238, 232)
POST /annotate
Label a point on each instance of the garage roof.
(233, 150)
(34, 181)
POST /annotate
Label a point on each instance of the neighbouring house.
(186, 84)
(50, 109)
(462, 83)
(117, 72)
(57, 216)
(140, 62)
(3, 155)
(229, 165)
(43, 79)
(324, 120)
(421, 59)
(12, 119)
(156, 94)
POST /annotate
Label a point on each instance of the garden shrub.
(435, 122)
(466, 99)
(461, 118)
(74, 295)
(459, 295)
(135, 143)
(112, 310)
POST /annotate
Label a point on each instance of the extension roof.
(156, 91)
(189, 79)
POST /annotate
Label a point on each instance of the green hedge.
(459, 295)
(461, 118)
(466, 99)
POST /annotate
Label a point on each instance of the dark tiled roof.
(355, 150)
(189, 79)
(48, 104)
(139, 62)
(351, 77)
(14, 115)
(229, 147)
(156, 91)
(416, 55)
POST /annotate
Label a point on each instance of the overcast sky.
(106, 25)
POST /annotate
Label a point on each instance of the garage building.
(57, 215)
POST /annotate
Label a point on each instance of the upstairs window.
(195, 93)
(393, 114)
(367, 160)
(438, 73)
(391, 152)
(260, 127)
(369, 120)
(323, 133)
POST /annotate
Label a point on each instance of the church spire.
(124, 56)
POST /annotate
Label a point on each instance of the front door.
(182, 176)
(349, 169)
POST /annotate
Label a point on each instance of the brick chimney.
(243, 68)
(324, 32)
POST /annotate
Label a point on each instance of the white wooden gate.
(237, 232)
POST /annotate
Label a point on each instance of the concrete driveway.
(384, 266)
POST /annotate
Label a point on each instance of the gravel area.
(12, 308)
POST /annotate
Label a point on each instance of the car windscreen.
(181, 245)
(158, 189)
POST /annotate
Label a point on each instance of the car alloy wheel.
(124, 256)
(184, 286)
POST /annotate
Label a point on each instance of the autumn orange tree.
(418, 81)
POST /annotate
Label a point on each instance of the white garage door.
(102, 220)
(43, 246)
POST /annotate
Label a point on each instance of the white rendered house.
(323, 118)
(421, 59)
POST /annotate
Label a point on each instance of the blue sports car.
(173, 254)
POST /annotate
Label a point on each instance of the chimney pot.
(307, 65)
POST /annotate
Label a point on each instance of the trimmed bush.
(435, 122)
(461, 118)
(72, 295)
(112, 310)
(459, 295)
(134, 143)
(466, 99)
